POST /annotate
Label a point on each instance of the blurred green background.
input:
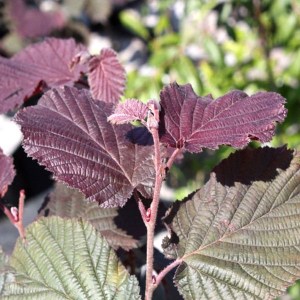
(217, 46)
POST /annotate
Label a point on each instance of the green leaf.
(67, 259)
(132, 20)
(239, 235)
(71, 203)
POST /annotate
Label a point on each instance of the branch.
(153, 215)
(165, 271)
(15, 215)
(172, 158)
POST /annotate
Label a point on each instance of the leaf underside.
(70, 203)
(48, 62)
(192, 122)
(7, 172)
(239, 236)
(68, 133)
(106, 76)
(67, 259)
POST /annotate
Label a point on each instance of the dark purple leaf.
(192, 122)
(106, 76)
(7, 172)
(129, 111)
(48, 61)
(31, 22)
(68, 133)
(141, 136)
(70, 203)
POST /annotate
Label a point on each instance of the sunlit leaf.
(106, 76)
(46, 63)
(129, 111)
(68, 133)
(192, 122)
(67, 259)
(238, 236)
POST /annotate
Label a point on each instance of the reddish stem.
(16, 216)
(151, 213)
(172, 158)
(154, 208)
(166, 270)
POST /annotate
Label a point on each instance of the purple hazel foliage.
(57, 62)
(85, 151)
(89, 148)
(48, 62)
(131, 110)
(106, 76)
(7, 172)
(191, 122)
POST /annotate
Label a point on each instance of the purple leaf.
(192, 122)
(48, 61)
(31, 22)
(106, 76)
(68, 133)
(7, 172)
(129, 111)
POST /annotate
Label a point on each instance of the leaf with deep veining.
(106, 76)
(68, 133)
(67, 259)
(47, 63)
(129, 111)
(191, 122)
(238, 236)
(70, 203)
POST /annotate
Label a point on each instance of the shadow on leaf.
(248, 165)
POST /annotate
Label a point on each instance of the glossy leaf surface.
(67, 259)
(46, 63)
(192, 122)
(70, 203)
(68, 133)
(238, 236)
(7, 172)
(106, 76)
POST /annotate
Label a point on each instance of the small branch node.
(148, 215)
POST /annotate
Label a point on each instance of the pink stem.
(17, 221)
(172, 158)
(153, 209)
(166, 270)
